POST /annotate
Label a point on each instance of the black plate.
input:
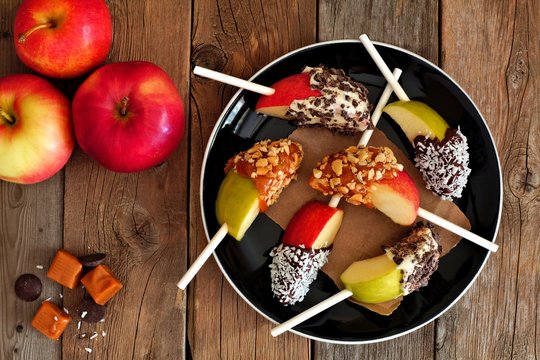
(245, 263)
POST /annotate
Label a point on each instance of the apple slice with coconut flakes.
(304, 250)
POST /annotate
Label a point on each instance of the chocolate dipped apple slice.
(303, 251)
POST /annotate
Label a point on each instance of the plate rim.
(212, 136)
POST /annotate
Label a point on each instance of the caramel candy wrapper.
(364, 231)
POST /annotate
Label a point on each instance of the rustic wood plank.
(414, 26)
(29, 236)
(139, 219)
(238, 38)
(498, 44)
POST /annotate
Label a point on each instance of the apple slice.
(373, 280)
(314, 226)
(397, 198)
(417, 119)
(294, 87)
(237, 204)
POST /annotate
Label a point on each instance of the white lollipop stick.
(445, 224)
(311, 312)
(383, 100)
(378, 109)
(234, 81)
(383, 67)
(205, 254)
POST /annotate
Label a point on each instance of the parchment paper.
(363, 231)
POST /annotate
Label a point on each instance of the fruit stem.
(124, 103)
(8, 118)
(24, 35)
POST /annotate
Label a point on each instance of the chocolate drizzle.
(343, 106)
(444, 164)
(417, 256)
(293, 269)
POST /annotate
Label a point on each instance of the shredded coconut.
(293, 270)
(444, 164)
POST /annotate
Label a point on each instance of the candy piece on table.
(322, 97)
(28, 287)
(101, 284)
(50, 320)
(92, 260)
(304, 250)
(89, 311)
(403, 269)
(65, 269)
(255, 179)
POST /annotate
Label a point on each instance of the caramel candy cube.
(50, 320)
(101, 284)
(65, 269)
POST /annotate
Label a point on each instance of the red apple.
(128, 116)
(36, 138)
(397, 198)
(314, 226)
(295, 87)
(62, 38)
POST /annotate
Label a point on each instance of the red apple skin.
(79, 41)
(152, 127)
(306, 225)
(404, 185)
(294, 87)
(40, 141)
(397, 198)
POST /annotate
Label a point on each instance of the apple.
(417, 119)
(373, 280)
(128, 116)
(36, 137)
(62, 38)
(294, 87)
(237, 204)
(397, 198)
(314, 226)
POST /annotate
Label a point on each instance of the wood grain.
(414, 26)
(139, 219)
(29, 236)
(237, 38)
(498, 44)
(411, 24)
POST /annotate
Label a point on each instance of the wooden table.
(150, 222)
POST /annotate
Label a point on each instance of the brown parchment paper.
(363, 231)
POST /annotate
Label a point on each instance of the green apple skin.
(237, 204)
(373, 280)
(417, 119)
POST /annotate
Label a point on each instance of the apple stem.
(124, 103)
(8, 118)
(24, 35)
